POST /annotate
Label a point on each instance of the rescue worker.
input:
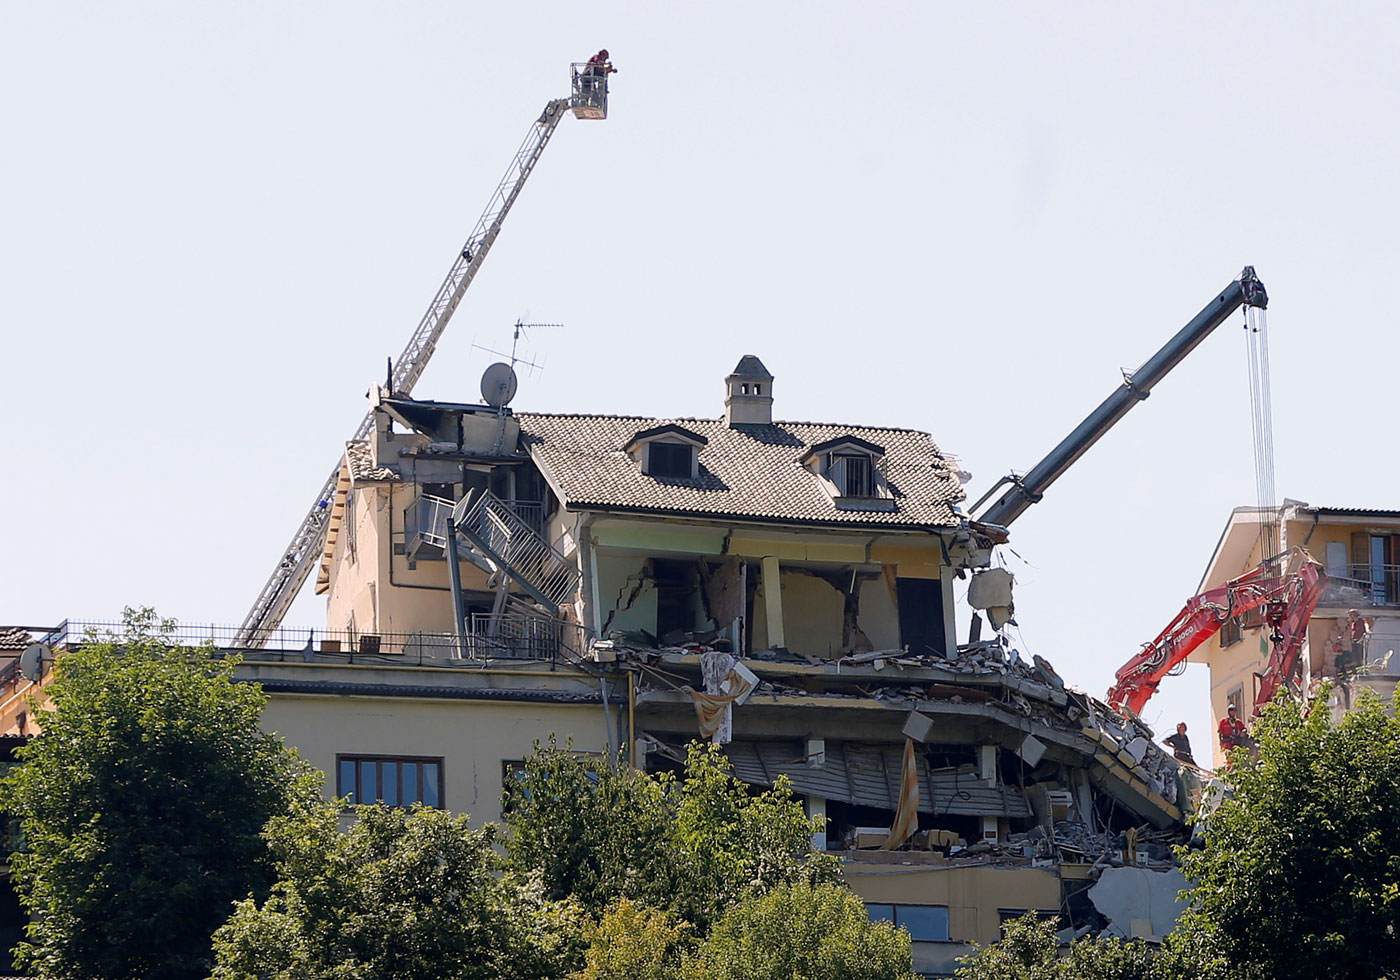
(1233, 734)
(594, 75)
(599, 66)
(1180, 744)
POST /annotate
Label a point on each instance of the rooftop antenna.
(514, 356)
(499, 381)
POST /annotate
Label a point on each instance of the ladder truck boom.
(307, 543)
(1025, 490)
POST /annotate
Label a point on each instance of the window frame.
(674, 447)
(357, 759)
(894, 918)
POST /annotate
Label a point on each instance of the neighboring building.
(1360, 550)
(798, 575)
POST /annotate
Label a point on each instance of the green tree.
(635, 942)
(803, 931)
(694, 846)
(1300, 875)
(1029, 950)
(402, 895)
(141, 806)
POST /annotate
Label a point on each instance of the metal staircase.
(494, 537)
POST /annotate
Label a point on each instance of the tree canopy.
(141, 807)
(1300, 875)
(694, 845)
(403, 894)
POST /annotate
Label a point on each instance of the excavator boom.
(1290, 598)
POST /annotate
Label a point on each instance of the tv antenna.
(514, 357)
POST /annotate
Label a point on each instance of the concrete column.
(987, 755)
(773, 601)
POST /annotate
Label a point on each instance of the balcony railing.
(1363, 585)
(510, 636)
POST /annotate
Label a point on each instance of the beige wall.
(473, 738)
(973, 895)
(378, 587)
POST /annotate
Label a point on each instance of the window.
(670, 459)
(853, 474)
(924, 923)
(1236, 697)
(392, 780)
(1230, 633)
(1011, 915)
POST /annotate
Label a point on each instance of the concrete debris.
(1139, 903)
(990, 588)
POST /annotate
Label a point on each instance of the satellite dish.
(31, 661)
(498, 385)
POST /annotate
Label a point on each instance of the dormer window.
(853, 471)
(667, 452)
(853, 474)
(670, 459)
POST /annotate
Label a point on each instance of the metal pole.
(454, 574)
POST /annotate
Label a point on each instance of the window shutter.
(1360, 552)
(836, 473)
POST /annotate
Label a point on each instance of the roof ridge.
(720, 420)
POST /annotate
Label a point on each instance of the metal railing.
(1369, 584)
(510, 636)
(588, 91)
(425, 521)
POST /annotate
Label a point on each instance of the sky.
(220, 219)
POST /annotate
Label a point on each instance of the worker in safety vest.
(1232, 731)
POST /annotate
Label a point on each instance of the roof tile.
(746, 471)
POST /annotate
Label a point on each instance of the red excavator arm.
(1290, 599)
(1304, 590)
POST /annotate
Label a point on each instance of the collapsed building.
(785, 589)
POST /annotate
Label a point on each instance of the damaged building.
(785, 589)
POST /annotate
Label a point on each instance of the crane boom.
(300, 555)
(1025, 490)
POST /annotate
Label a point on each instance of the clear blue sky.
(221, 218)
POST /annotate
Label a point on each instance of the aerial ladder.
(1028, 489)
(588, 99)
(1287, 588)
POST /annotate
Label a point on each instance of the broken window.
(677, 595)
(924, 923)
(672, 460)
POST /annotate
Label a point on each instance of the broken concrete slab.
(1139, 903)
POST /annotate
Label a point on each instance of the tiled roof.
(750, 367)
(362, 467)
(14, 638)
(748, 471)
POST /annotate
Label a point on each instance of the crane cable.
(1261, 417)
